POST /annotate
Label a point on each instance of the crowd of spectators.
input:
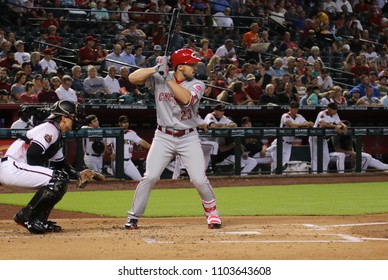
(260, 52)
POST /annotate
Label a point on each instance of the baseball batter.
(130, 139)
(177, 97)
(327, 119)
(24, 165)
(289, 119)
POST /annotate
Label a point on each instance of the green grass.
(328, 199)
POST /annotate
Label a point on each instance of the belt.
(126, 159)
(4, 159)
(175, 132)
(289, 143)
(93, 155)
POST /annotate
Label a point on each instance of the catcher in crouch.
(24, 165)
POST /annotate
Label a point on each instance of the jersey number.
(186, 115)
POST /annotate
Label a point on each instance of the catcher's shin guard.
(39, 208)
(213, 217)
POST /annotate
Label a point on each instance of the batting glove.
(162, 66)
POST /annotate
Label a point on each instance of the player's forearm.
(181, 94)
(141, 75)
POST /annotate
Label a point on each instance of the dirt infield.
(92, 237)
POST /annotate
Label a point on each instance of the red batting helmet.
(183, 56)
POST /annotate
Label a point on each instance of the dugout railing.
(236, 133)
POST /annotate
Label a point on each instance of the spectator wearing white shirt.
(341, 9)
(223, 19)
(65, 92)
(111, 82)
(48, 65)
(20, 55)
(227, 50)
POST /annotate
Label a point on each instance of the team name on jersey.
(167, 96)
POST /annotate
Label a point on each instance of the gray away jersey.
(171, 114)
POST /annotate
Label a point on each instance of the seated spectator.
(65, 92)
(230, 75)
(218, 83)
(99, 12)
(287, 43)
(34, 63)
(9, 61)
(276, 70)
(126, 87)
(101, 52)
(5, 85)
(5, 47)
(128, 57)
(53, 39)
(240, 96)
(94, 85)
(151, 60)
(29, 96)
(48, 65)
(269, 98)
(313, 98)
(359, 69)
(325, 81)
(56, 82)
(227, 50)
(288, 95)
(140, 59)
(112, 83)
(87, 54)
(369, 99)
(77, 84)
(19, 85)
(132, 33)
(338, 97)
(115, 56)
(314, 55)
(354, 97)
(364, 82)
(49, 21)
(46, 94)
(382, 86)
(37, 80)
(20, 55)
(205, 53)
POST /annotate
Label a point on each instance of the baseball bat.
(173, 22)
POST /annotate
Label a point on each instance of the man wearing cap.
(291, 119)
(177, 97)
(87, 54)
(251, 38)
(151, 60)
(130, 140)
(253, 89)
(20, 55)
(48, 65)
(326, 119)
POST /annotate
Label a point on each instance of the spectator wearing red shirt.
(46, 94)
(213, 92)
(29, 96)
(87, 55)
(240, 96)
(253, 89)
(359, 68)
(4, 81)
(9, 61)
(49, 21)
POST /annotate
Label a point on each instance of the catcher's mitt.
(88, 175)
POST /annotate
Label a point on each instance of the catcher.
(24, 165)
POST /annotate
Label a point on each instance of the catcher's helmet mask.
(68, 109)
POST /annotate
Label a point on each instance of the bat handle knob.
(161, 73)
